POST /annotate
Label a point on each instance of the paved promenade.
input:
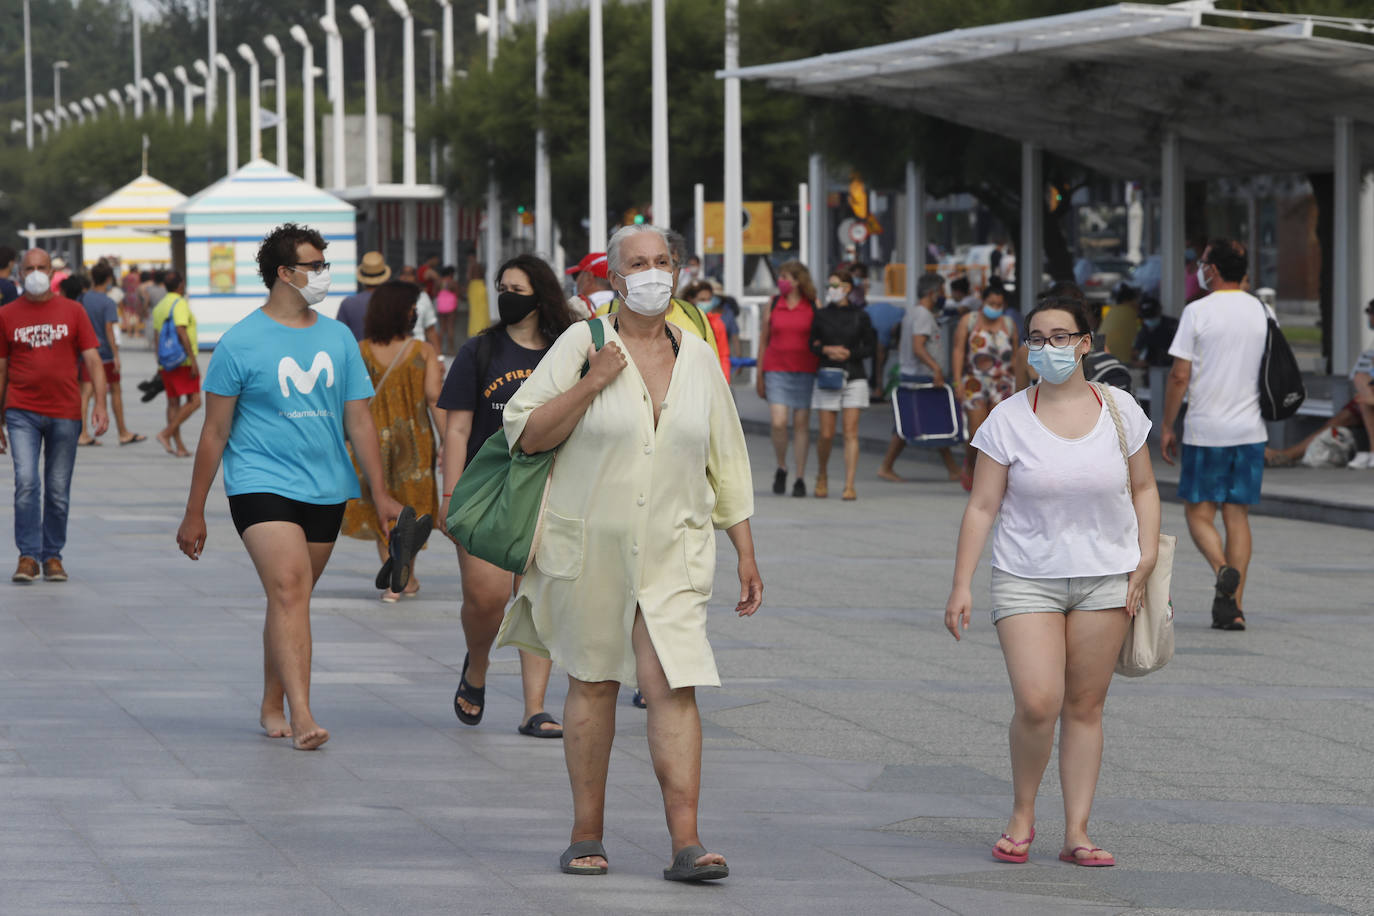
(855, 759)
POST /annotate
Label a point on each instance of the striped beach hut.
(216, 233)
(130, 224)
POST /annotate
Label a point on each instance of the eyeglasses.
(314, 266)
(1058, 341)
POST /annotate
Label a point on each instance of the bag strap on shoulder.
(1104, 391)
(598, 329)
(483, 357)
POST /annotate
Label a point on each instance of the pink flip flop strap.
(1022, 842)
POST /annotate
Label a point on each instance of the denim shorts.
(1221, 474)
(1012, 594)
(791, 389)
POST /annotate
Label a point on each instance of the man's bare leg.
(173, 431)
(1236, 519)
(588, 730)
(117, 408)
(1202, 526)
(173, 405)
(886, 470)
(674, 744)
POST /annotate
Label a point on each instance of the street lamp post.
(184, 78)
(662, 214)
(407, 91)
(138, 59)
(254, 115)
(103, 103)
(596, 163)
(493, 187)
(75, 108)
(308, 99)
(42, 126)
(231, 154)
(274, 48)
(430, 35)
(210, 53)
(89, 105)
(450, 217)
(57, 69)
(331, 31)
(543, 201)
(28, 84)
(369, 90)
(118, 100)
(207, 76)
(147, 86)
(734, 183)
(168, 94)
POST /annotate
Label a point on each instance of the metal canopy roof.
(1102, 87)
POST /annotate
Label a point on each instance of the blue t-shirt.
(291, 385)
(102, 311)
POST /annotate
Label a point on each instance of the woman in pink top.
(787, 372)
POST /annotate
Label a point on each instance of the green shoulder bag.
(498, 503)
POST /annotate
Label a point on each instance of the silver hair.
(624, 232)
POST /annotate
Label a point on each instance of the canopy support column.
(1171, 241)
(1347, 326)
(1031, 255)
(409, 231)
(1365, 254)
(914, 233)
(819, 242)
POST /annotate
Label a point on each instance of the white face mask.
(648, 292)
(1202, 276)
(316, 287)
(37, 283)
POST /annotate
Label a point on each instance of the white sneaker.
(1363, 461)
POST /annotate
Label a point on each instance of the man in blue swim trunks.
(1217, 352)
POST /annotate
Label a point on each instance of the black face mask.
(513, 307)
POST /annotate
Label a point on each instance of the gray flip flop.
(684, 867)
(581, 850)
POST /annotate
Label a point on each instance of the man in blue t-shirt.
(104, 315)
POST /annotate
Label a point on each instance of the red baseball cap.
(594, 261)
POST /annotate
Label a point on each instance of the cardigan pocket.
(561, 548)
(699, 553)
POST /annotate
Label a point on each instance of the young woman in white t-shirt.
(1076, 540)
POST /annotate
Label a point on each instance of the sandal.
(684, 867)
(583, 849)
(638, 701)
(1015, 858)
(477, 696)
(407, 536)
(1073, 858)
(534, 729)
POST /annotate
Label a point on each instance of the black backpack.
(1101, 366)
(1281, 391)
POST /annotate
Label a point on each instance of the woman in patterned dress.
(985, 374)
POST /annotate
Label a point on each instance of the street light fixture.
(169, 94)
(118, 100)
(407, 90)
(331, 31)
(57, 68)
(254, 115)
(147, 86)
(231, 137)
(369, 89)
(274, 48)
(75, 108)
(308, 99)
(185, 79)
(103, 102)
(42, 126)
(87, 104)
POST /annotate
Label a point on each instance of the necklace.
(615, 323)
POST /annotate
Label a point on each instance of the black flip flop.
(638, 701)
(532, 728)
(137, 437)
(407, 537)
(684, 867)
(477, 696)
(581, 850)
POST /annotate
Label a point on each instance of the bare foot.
(308, 737)
(183, 453)
(711, 858)
(166, 442)
(590, 862)
(274, 723)
(885, 474)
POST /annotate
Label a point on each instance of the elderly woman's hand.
(605, 364)
(750, 588)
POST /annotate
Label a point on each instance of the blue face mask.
(1150, 323)
(710, 306)
(1054, 365)
(992, 314)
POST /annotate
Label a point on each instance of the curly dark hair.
(389, 311)
(278, 249)
(554, 317)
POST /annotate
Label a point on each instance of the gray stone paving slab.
(855, 759)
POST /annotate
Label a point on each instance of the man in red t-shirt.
(42, 336)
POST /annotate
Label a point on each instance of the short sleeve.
(1364, 364)
(4, 338)
(1133, 420)
(1183, 346)
(224, 376)
(111, 312)
(922, 322)
(557, 372)
(357, 383)
(86, 338)
(181, 313)
(991, 438)
(727, 460)
(460, 387)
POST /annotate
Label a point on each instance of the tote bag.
(1149, 641)
(497, 507)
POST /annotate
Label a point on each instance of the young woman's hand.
(1135, 586)
(957, 609)
(758, 384)
(836, 352)
(191, 535)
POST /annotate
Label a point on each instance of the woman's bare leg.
(486, 590)
(851, 446)
(588, 730)
(801, 438)
(825, 440)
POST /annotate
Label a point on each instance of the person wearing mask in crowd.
(592, 291)
(285, 386)
(1217, 353)
(42, 337)
(1157, 330)
(486, 374)
(704, 297)
(691, 275)
(984, 362)
(427, 324)
(182, 382)
(923, 359)
(479, 316)
(59, 270)
(8, 290)
(104, 315)
(842, 336)
(787, 369)
(651, 458)
(1077, 538)
(1119, 327)
(406, 376)
(372, 273)
(446, 304)
(963, 298)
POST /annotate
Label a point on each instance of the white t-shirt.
(1066, 512)
(1364, 364)
(920, 320)
(1222, 335)
(425, 316)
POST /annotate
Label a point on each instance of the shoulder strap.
(694, 313)
(1104, 391)
(483, 359)
(598, 329)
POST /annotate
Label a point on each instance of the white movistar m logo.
(305, 380)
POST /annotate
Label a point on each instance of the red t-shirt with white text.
(43, 342)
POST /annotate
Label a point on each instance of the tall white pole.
(231, 115)
(734, 182)
(369, 90)
(493, 188)
(803, 228)
(274, 48)
(308, 99)
(118, 100)
(57, 69)
(596, 163)
(138, 60)
(450, 240)
(431, 35)
(212, 51)
(28, 82)
(816, 214)
(184, 78)
(147, 86)
(334, 53)
(42, 126)
(915, 230)
(169, 95)
(447, 43)
(254, 114)
(407, 91)
(699, 220)
(662, 214)
(1031, 254)
(543, 199)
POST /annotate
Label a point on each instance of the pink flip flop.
(1004, 856)
(1073, 858)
